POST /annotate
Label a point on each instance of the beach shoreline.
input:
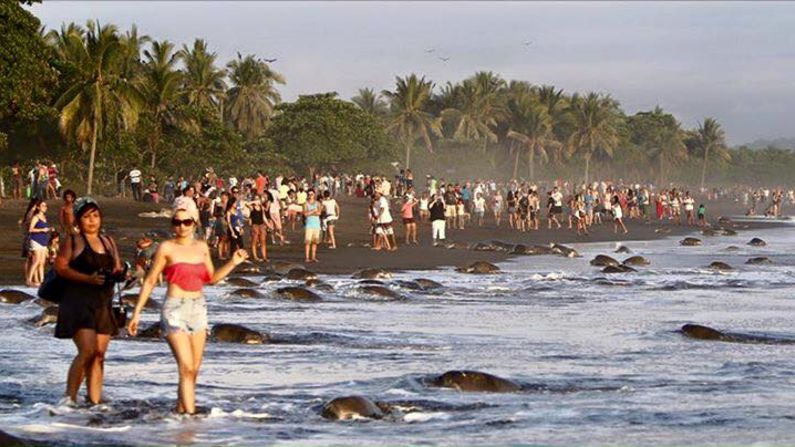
(124, 224)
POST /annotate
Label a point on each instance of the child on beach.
(702, 215)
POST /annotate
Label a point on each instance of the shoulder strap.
(104, 245)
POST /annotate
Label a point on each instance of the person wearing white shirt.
(135, 183)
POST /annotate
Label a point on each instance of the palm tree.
(160, 84)
(132, 45)
(512, 94)
(472, 117)
(253, 97)
(534, 131)
(371, 102)
(410, 119)
(596, 120)
(489, 89)
(204, 83)
(662, 137)
(555, 102)
(96, 92)
(710, 137)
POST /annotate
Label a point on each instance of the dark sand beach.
(123, 223)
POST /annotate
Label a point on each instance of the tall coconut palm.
(710, 137)
(556, 104)
(410, 119)
(253, 95)
(371, 102)
(489, 89)
(533, 131)
(204, 83)
(661, 136)
(160, 84)
(512, 95)
(472, 117)
(596, 119)
(96, 93)
(131, 48)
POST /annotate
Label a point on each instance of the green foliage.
(26, 79)
(321, 131)
(410, 118)
(122, 99)
(371, 102)
(253, 95)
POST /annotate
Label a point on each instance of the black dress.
(87, 306)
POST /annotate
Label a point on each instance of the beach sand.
(123, 223)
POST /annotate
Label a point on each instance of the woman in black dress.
(85, 262)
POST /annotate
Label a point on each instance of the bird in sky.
(430, 50)
(527, 43)
(270, 61)
(444, 59)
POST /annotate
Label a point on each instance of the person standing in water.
(39, 230)
(187, 266)
(87, 261)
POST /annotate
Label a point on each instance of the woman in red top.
(407, 213)
(187, 266)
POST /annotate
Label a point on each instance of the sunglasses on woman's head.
(183, 222)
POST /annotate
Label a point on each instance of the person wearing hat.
(87, 262)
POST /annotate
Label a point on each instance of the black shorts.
(557, 210)
(407, 221)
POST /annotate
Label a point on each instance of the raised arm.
(158, 264)
(218, 275)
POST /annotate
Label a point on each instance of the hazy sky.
(734, 61)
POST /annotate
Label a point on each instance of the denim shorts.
(184, 314)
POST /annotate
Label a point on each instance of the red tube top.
(189, 277)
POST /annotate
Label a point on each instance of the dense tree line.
(99, 100)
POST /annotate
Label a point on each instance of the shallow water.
(599, 355)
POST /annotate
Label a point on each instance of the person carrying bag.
(88, 265)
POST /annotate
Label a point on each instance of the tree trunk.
(516, 164)
(704, 168)
(154, 142)
(530, 165)
(587, 167)
(408, 156)
(97, 111)
(662, 170)
(154, 158)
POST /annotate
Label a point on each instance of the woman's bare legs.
(89, 363)
(188, 350)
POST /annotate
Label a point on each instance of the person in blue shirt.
(311, 226)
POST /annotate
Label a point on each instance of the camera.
(112, 278)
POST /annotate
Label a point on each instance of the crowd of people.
(213, 217)
(258, 210)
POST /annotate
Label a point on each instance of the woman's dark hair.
(87, 208)
(69, 192)
(34, 203)
(231, 203)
